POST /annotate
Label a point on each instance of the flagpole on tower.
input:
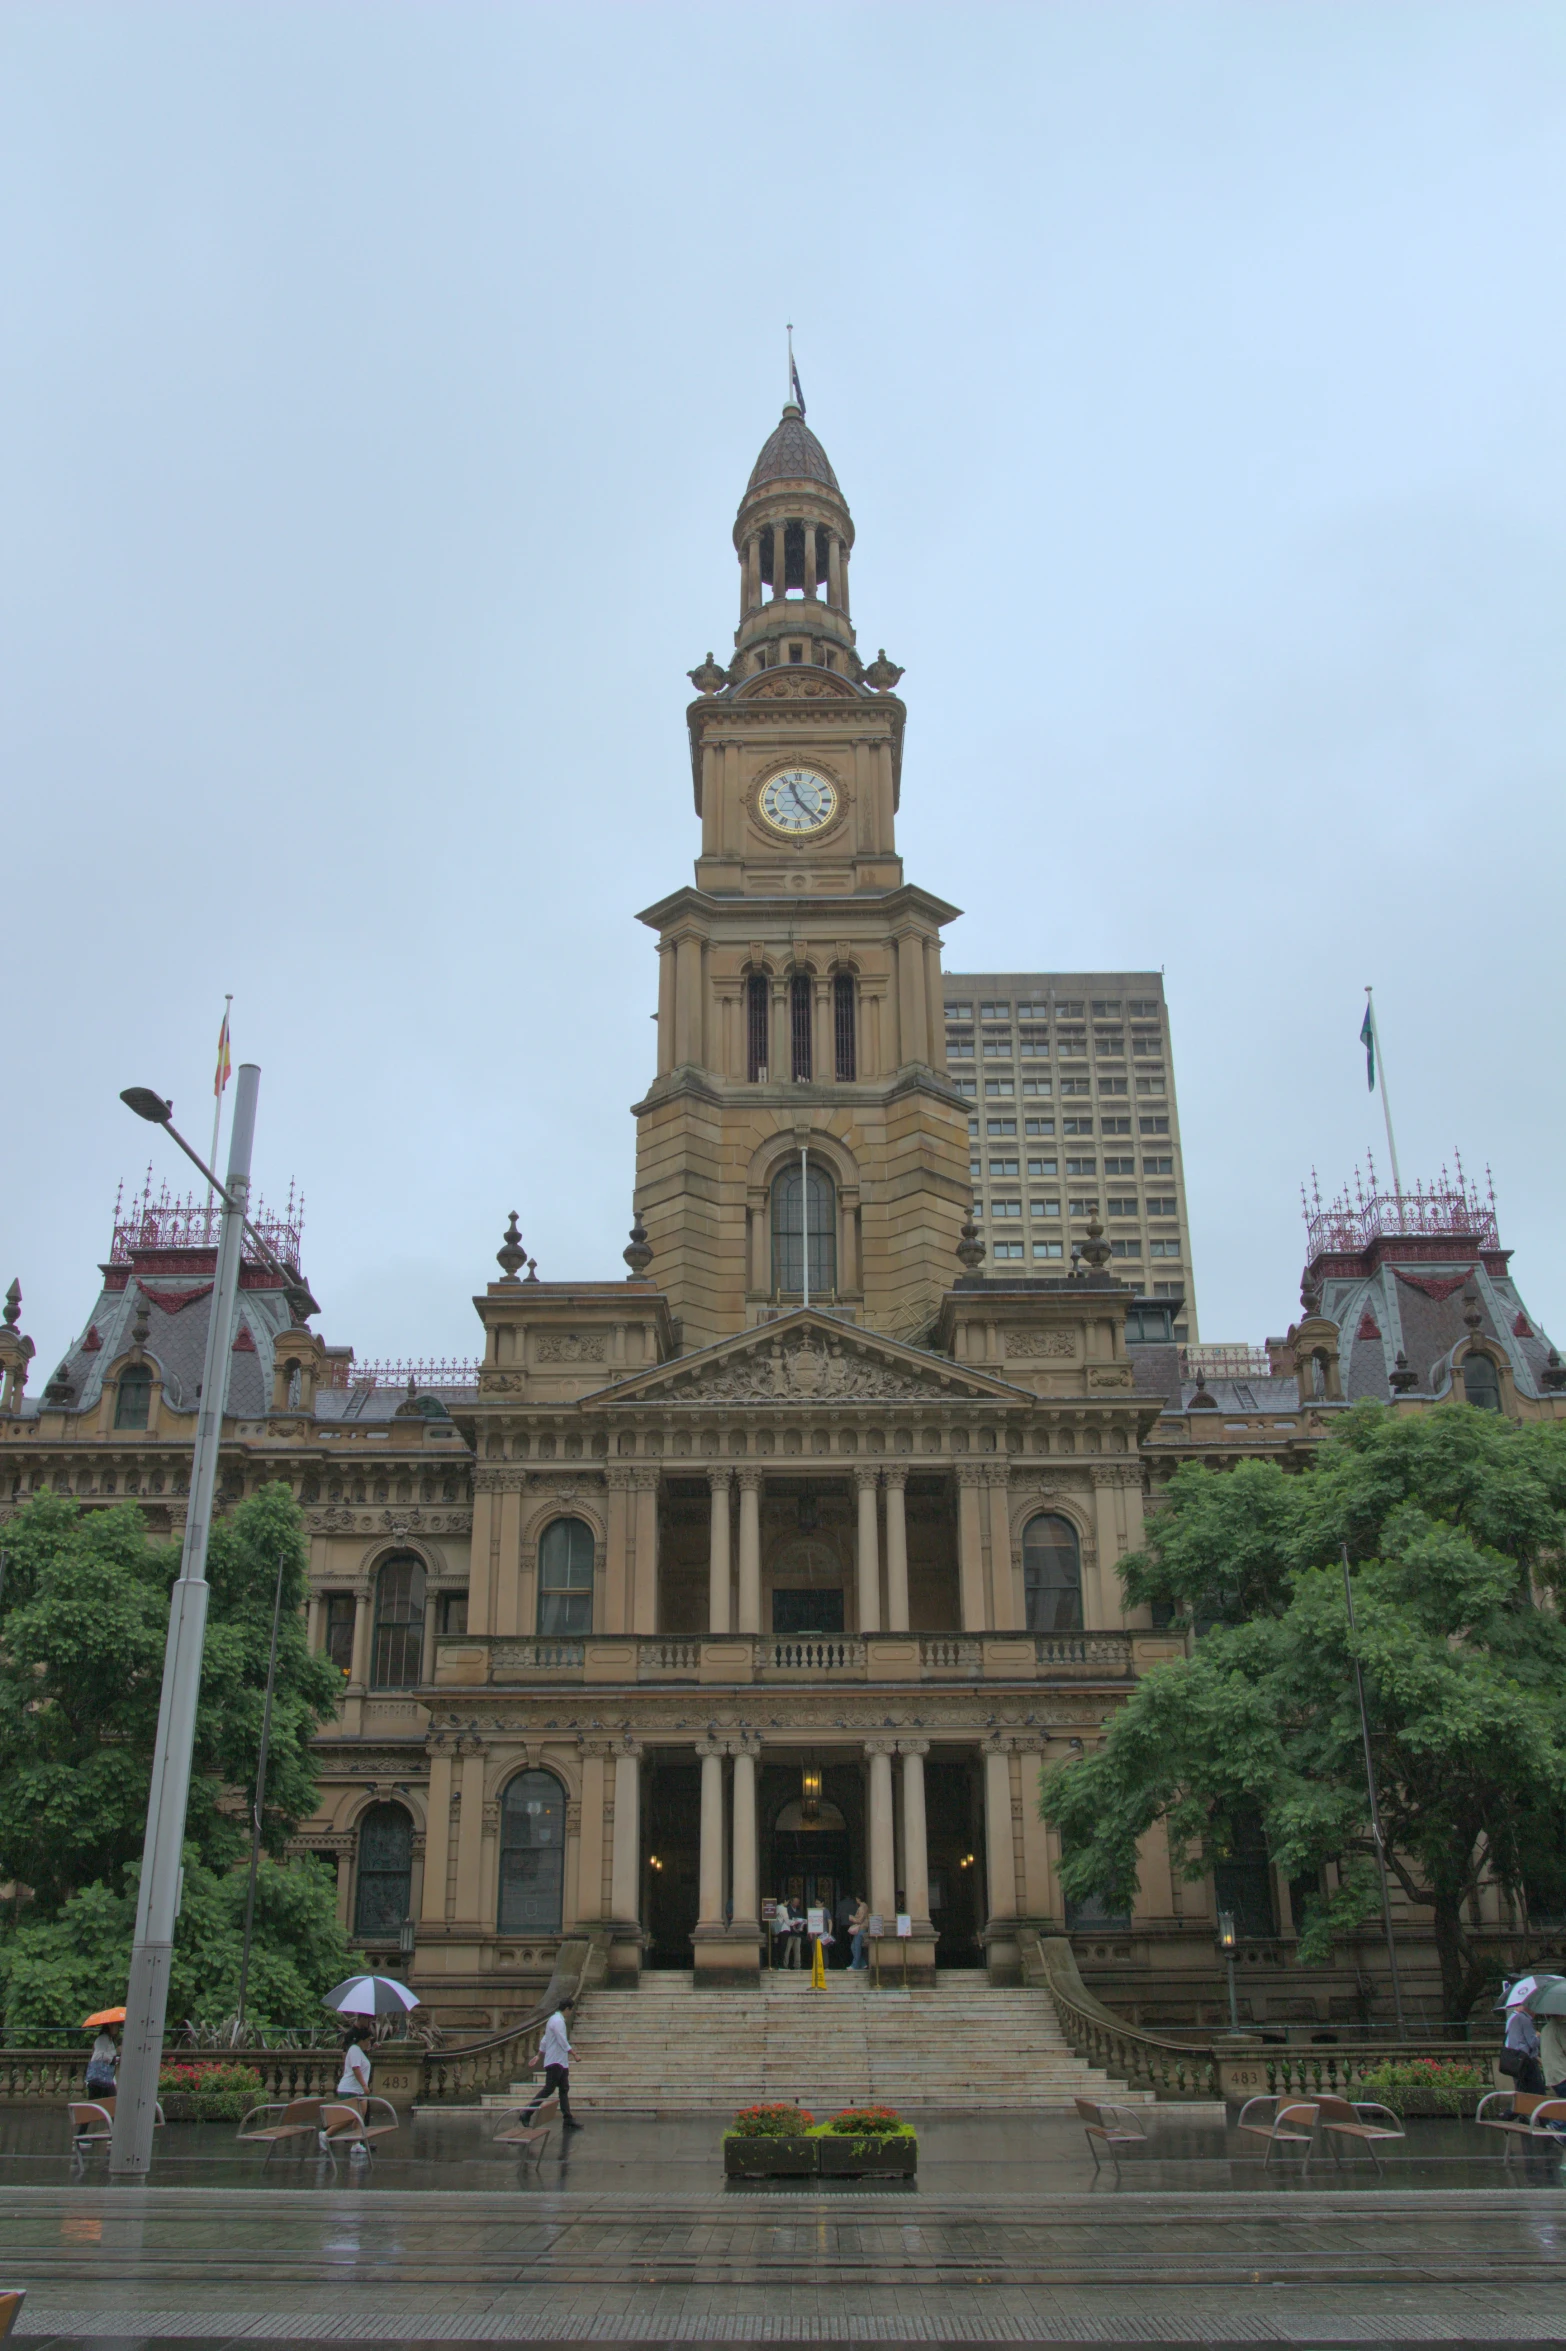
(1370, 1037)
(221, 1076)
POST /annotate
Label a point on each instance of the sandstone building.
(782, 1564)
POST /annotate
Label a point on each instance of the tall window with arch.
(845, 1029)
(758, 1013)
(1481, 1387)
(532, 1855)
(801, 1007)
(804, 1218)
(385, 1889)
(565, 1578)
(133, 1404)
(397, 1652)
(1052, 1574)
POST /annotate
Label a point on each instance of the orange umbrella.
(104, 2016)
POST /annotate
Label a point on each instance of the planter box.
(180, 2106)
(1432, 2102)
(892, 2158)
(769, 2159)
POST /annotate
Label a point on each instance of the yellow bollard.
(818, 1982)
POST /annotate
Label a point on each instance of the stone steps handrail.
(1196, 2069)
(494, 2063)
(1127, 2054)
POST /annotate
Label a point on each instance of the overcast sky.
(377, 387)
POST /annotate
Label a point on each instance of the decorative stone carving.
(1033, 1346)
(573, 1346)
(805, 1368)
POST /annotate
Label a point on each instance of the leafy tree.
(86, 1608)
(54, 1971)
(1455, 1522)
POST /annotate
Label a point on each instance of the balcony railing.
(465, 1659)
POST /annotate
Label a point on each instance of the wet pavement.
(627, 2233)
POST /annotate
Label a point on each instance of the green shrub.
(1449, 2078)
(222, 2093)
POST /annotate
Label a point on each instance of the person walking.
(857, 1927)
(102, 2064)
(1552, 2053)
(1522, 2038)
(794, 1955)
(353, 2084)
(554, 2050)
(844, 1918)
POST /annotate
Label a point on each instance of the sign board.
(815, 1922)
(877, 1926)
(769, 1908)
(904, 1923)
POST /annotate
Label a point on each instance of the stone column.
(779, 561)
(810, 563)
(1000, 1858)
(687, 1001)
(746, 1899)
(315, 1622)
(470, 1829)
(883, 1881)
(617, 1552)
(834, 570)
(1006, 1614)
(437, 1832)
(869, 1564)
(590, 1851)
(916, 1846)
(363, 1632)
(644, 1607)
(750, 1551)
(427, 1644)
(710, 1896)
(896, 1550)
(718, 1552)
(626, 1864)
(970, 1545)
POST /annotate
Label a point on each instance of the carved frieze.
(340, 1518)
(1041, 1346)
(573, 1346)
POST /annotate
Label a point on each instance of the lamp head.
(148, 1105)
(1228, 1940)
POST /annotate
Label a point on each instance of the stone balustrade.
(465, 1661)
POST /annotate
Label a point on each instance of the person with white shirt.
(353, 2085)
(554, 2052)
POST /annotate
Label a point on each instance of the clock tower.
(801, 1139)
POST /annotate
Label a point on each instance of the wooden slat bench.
(1528, 2115)
(1292, 2123)
(299, 2118)
(530, 2136)
(1350, 2118)
(1109, 2126)
(92, 2125)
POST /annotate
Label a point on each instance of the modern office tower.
(1069, 1079)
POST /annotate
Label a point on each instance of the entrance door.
(807, 1610)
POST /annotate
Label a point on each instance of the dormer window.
(134, 1402)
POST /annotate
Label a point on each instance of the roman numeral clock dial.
(799, 801)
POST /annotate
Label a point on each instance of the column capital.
(895, 1474)
(880, 1746)
(721, 1477)
(619, 1476)
(626, 1746)
(708, 1748)
(913, 1746)
(749, 1477)
(647, 1479)
(469, 1743)
(586, 1747)
(972, 1473)
(866, 1478)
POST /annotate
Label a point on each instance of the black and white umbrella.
(370, 1995)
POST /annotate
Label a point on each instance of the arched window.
(794, 1206)
(532, 1852)
(385, 1870)
(396, 1659)
(134, 1401)
(1052, 1575)
(1480, 1385)
(758, 1013)
(800, 1010)
(565, 1577)
(844, 1037)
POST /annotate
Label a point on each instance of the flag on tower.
(1367, 1037)
(225, 1065)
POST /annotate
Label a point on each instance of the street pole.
(1375, 1809)
(157, 1907)
(255, 1835)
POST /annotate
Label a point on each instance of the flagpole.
(1386, 1100)
(790, 359)
(217, 1114)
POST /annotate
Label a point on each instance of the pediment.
(808, 1358)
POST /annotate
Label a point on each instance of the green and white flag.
(1367, 1037)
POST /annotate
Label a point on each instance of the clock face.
(800, 800)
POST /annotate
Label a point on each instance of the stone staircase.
(668, 2048)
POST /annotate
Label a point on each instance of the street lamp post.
(256, 1810)
(1228, 1944)
(157, 1907)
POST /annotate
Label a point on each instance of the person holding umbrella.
(359, 1996)
(103, 2057)
(1548, 2009)
(1520, 2056)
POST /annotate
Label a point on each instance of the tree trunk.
(1459, 1973)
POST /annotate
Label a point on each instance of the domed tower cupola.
(793, 534)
